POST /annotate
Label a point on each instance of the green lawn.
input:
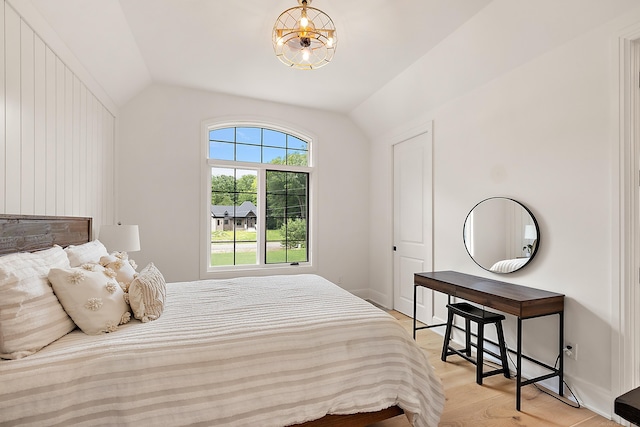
(249, 258)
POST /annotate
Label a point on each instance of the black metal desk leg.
(415, 292)
(519, 367)
(561, 365)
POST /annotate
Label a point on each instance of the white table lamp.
(530, 232)
(122, 238)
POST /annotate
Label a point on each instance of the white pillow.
(124, 267)
(147, 294)
(31, 316)
(91, 296)
(90, 252)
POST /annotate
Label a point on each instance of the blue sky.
(252, 144)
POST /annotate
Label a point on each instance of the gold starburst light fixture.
(304, 37)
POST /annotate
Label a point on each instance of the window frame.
(261, 268)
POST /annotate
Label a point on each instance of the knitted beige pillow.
(91, 296)
(124, 267)
(147, 294)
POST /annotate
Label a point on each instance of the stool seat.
(481, 317)
(475, 314)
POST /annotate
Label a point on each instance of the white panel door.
(412, 210)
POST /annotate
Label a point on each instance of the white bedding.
(269, 351)
(508, 265)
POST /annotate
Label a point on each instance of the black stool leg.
(467, 335)
(503, 350)
(480, 353)
(447, 337)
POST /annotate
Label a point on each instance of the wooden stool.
(471, 313)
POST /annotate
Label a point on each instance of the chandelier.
(304, 37)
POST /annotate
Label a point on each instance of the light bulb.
(330, 38)
(304, 21)
(305, 54)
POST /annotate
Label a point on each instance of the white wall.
(537, 130)
(56, 137)
(160, 158)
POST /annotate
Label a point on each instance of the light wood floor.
(493, 403)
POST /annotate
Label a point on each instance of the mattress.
(269, 351)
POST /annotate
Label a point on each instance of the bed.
(509, 265)
(264, 351)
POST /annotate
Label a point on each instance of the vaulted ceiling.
(225, 45)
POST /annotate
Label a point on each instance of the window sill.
(263, 270)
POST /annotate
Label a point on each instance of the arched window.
(258, 180)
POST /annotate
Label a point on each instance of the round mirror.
(501, 235)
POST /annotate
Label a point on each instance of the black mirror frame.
(534, 249)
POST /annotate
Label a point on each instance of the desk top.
(521, 301)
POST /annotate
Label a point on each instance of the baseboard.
(591, 396)
(380, 299)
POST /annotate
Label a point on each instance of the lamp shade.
(122, 238)
(530, 232)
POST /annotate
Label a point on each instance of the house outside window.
(259, 182)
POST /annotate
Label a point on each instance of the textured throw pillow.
(147, 294)
(124, 267)
(92, 297)
(31, 316)
(90, 252)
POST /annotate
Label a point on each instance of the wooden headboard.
(20, 233)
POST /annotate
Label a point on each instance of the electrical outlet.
(571, 350)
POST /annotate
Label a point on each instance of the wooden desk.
(520, 301)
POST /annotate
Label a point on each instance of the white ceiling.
(225, 46)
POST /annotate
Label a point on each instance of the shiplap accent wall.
(57, 139)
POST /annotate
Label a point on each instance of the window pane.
(296, 184)
(276, 156)
(222, 190)
(233, 216)
(275, 253)
(286, 211)
(296, 211)
(276, 182)
(225, 134)
(247, 153)
(222, 253)
(246, 254)
(273, 138)
(295, 143)
(221, 150)
(298, 253)
(297, 158)
(275, 213)
(249, 136)
(277, 147)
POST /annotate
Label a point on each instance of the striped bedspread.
(270, 351)
(508, 265)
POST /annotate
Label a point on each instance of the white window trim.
(207, 272)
